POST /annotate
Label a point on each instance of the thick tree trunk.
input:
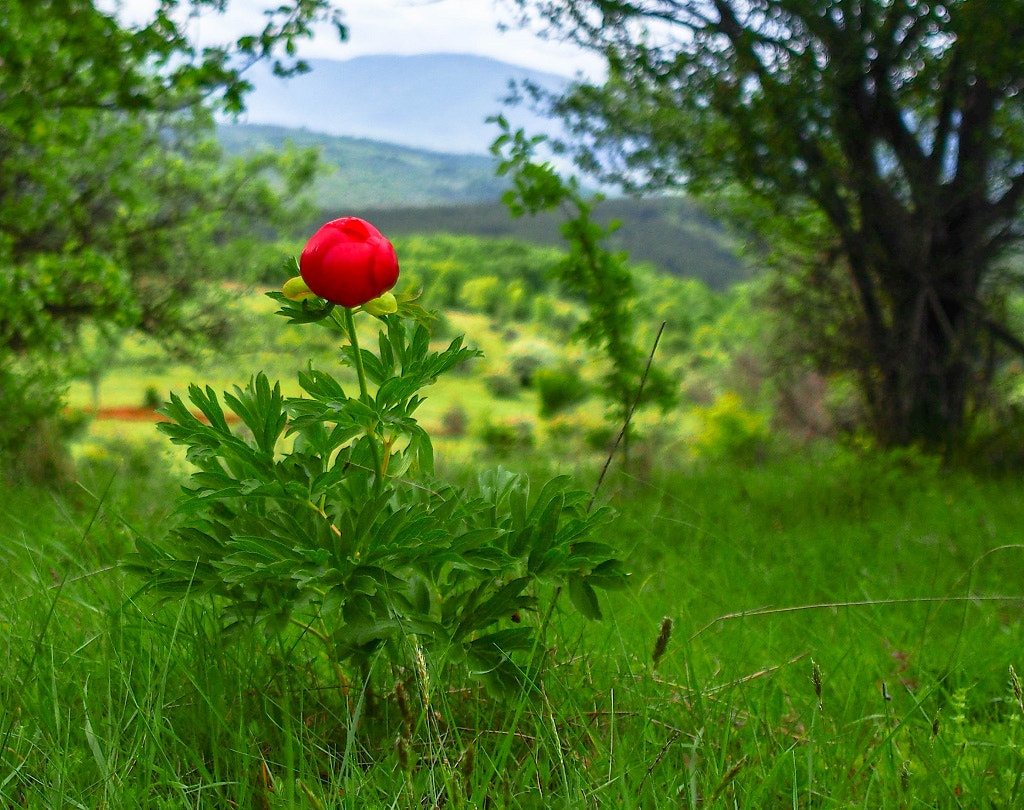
(927, 370)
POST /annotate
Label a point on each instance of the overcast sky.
(400, 27)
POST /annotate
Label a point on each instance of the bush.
(504, 437)
(482, 294)
(33, 433)
(526, 356)
(730, 430)
(454, 422)
(502, 386)
(557, 315)
(152, 398)
(559, 389)
(600, 437)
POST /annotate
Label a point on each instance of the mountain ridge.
(368, 173)
(408, 191)
(438, 102)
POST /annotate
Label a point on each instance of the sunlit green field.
(456, 408)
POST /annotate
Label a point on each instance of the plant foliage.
(323, 513)
(115, 201)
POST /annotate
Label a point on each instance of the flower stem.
(349, 325)
(320, 511)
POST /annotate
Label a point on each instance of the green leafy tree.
(115, 201)
(885, 138)
(597, 275)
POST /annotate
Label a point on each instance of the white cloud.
(399, 27)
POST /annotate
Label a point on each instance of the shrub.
(454, 421)
(502, 437)
(559, 389)
(728, 429)
(600, 437)
(502, 386)
(151, 398)
(526, 356)
(557, 315)
(482, 294)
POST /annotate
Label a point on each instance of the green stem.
(308, 628)
(339, 673)
(348, 323)
(350, 327)
(320, 511)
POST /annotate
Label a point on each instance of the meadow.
(808, 624)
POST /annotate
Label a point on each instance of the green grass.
(844, 625)
(881, 574)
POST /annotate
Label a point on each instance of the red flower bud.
(349, 262)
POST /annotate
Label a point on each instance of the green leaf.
(504, 642)
(419, 595)
(298, 312)
(589, 552)
(261, 409)
(610, 575)
(502, 604)
(210, 407)
(584, 598)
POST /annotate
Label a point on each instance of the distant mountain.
(367, 173)
(438, 102)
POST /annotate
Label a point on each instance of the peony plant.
(323, 517)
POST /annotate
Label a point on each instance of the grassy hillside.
(367, 173)
(501, 294)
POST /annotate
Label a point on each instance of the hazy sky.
(400, 27)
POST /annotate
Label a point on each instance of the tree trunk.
(924, 377)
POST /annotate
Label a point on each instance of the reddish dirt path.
(127, 414)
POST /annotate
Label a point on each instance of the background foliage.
(115, 200)
(878, 143)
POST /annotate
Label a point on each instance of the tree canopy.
(881, 140)
(115, 199)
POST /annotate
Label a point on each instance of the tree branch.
(1004, 335)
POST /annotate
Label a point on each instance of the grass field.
(844, 628)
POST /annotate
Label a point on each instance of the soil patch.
(127, 414)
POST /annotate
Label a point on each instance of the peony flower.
(349, 262)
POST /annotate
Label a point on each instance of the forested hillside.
(671, 233)
(411, 191)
